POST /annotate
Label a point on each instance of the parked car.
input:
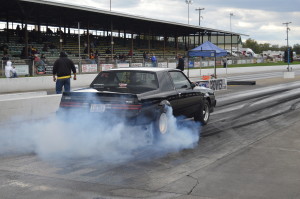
(142, 96)
(296, 58)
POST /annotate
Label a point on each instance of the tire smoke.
(104, 139)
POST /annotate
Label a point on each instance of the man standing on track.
(180, 64)
(62, 69)
(224, 62)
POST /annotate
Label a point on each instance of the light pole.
(199, 9)
(109, 5)
(287, 43)
(231, 15)
(188, 2)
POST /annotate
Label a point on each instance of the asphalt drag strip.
(257, 160)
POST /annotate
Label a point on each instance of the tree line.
(259, 48)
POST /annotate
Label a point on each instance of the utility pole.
(199, 9)
(231, 15)
(287, 43)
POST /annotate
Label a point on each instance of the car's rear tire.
(161, 124)
(203, 113)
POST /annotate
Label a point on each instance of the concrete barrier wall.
(22, 95)
(223, 71)
(31, 108)
(25, 84)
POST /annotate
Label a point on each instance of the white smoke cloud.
(105, 139)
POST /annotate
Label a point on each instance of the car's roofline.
(148, 69)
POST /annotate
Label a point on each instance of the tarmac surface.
(268, 168)
(263, 164)
(259, 83)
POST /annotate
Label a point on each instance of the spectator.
(92, 45)
(120, 56)
(108, 51)
(33, 35)
(43, 57)
(130, 53)
(39, 65)
(49, 31)
(14, 72)
(124, 57)
(145, 55)
(59, 31)
(18, 30)
(224, 60)
(153, 60)
(116, 56)
(106, 59)
(85, 51)
(92, 55)
(45, 48)
(180, 65)
(97, 55)
(62, 69)
(8, 69)
(96, 43)
(5, 49)
(33, 51)
(92, 58)
(5, 58)
(23, 53)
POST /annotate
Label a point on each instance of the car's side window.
(179, 80)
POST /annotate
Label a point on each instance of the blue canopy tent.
(208, 49)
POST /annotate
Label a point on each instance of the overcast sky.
(262, 20)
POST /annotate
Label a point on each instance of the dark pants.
(60, 83)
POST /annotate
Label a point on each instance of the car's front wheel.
(203, 113)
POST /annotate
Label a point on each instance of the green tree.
(275, 47)
(259, 48)
(296, 48)
(251, 43)
(264, 47)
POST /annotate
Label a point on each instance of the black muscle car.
(142, 96)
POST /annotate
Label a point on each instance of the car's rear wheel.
(203, 113)
(161, 124)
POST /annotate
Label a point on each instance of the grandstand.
(51, 27)
(71, 46)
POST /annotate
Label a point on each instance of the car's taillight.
(74, 104)
(126, 106)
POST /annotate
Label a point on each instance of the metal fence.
(28, 67)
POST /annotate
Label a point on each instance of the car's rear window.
(126, 81)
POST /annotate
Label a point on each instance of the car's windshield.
(126, 81)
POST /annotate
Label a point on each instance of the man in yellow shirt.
(62, 68)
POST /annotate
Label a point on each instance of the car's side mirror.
(193, 85)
